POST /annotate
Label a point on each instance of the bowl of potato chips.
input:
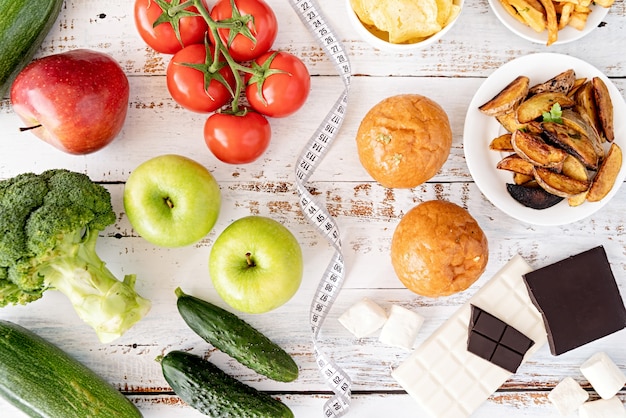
(403, 25)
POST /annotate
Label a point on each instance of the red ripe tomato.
(283, 87)
(237, 139)
(162, 38)
(264, 29)
(188, 85)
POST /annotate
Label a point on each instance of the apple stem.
(168, 202)
(28, 128)
(249, 260)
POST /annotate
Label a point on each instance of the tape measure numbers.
(310, 157)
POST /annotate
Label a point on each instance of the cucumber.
(41, 380)
(235, 337)
(210, 390)
(23, 26)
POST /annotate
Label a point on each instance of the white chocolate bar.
(448, 381)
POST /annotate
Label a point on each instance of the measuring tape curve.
(310, 157)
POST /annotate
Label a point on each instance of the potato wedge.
(579, 82)
(536, 151)
(508, 98)
(587, 108)
(532, 197)
(574, 142)
(561, 83)
(509, 121)
(604, 107)
(526, 180)
(516, 164)
(605, 178)
(576, 121)
(578, 199)
(574, 168)
(501, 143)
(559, 184)
(536, 105)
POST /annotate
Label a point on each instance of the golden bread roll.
(404, 140)
(438, 249)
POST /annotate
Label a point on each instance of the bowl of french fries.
(543, 139)
(402, 25)
(551, 21)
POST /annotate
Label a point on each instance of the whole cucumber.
(210, 390)
(235, 337)
(43, 381)
(24, 25)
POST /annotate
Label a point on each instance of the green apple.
(256, 264)
(172, 201)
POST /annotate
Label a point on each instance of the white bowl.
(479, 129)
(385, 45)
(566, 35)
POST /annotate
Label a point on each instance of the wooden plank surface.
(449, 72)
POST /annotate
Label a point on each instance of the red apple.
(75, 100)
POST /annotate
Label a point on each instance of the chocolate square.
(506, 358)
(578, 299)
(516, 340)
(496, 341)
(481, 344)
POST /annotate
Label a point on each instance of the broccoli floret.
(49, 225)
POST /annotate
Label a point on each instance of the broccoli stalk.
(50, 225)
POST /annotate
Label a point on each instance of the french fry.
(566, 14)
(551, 21)
(533, 17)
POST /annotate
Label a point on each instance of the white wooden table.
(449, 72)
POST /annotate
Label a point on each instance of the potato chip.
(444, 8)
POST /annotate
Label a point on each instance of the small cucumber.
(210, 390)
(41, 380)
(235, 337)
(24, 25)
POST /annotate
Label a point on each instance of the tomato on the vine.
(280, 84)
(193, 85)
(163, 37)
(237, 139)
(263, 27)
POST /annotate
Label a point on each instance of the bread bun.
(438, 249)
(404, 140)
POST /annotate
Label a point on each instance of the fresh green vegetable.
(210, 390)
(41, 380)
(235, 337)
(49, 226)
(554, 115)
(23, 26)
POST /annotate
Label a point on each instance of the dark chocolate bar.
(496, 341)
(578, 299)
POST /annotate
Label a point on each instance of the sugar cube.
(363, 318)
(603, 408)
(401, 327)
(568, 396)
(605, 377)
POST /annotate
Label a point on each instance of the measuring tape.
(317, 214)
